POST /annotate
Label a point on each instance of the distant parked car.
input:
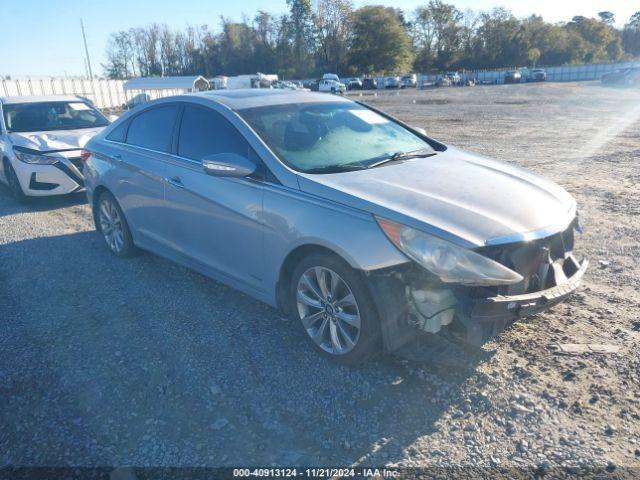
(41, 139)
(538, 75)
(409, 81)
(627, 77)
(286, 85)
(443, 81)
(311, 85)
(392, 82)
(513, 76)
(354, 83)
(369, 83)
(454, 78)
(331, 86)
(136, 100)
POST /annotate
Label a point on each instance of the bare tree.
(333, 27)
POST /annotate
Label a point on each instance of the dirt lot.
(140, 362)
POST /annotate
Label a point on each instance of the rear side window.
(119, 134)
(204, 132)
(153, 128)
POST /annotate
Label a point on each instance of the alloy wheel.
(111, 225)
(328, 310)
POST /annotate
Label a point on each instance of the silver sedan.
(362, 228)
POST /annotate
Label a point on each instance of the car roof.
(263, 97)
(39, 99)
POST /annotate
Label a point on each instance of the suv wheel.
(333, 304)
(113, 226)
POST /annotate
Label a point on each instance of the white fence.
(106, 94)
(572, 73)
(110, 94)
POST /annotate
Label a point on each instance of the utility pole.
(86, 50)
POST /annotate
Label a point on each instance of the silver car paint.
(456, 195)
(245, 229)
(215, 221)
(238, 231)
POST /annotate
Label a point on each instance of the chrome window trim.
(137, 146)
(178, 157)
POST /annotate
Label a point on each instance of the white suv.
(326, 85)
(41, 140)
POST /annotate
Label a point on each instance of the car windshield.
(325, 136)
(46, 116)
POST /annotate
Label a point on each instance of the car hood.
(465, 198)
(54, 140)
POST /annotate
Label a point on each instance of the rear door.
(214, 221)
(141, 159)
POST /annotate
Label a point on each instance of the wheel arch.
(97, 192)
(290, 262)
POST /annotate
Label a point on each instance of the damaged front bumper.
(411, 301)
(484, 318)
(513, 307)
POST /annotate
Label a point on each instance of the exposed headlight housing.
(32, 156)
(450, 263)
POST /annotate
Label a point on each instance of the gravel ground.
(141, 362)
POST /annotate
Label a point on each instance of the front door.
(214, 221)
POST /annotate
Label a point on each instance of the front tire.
(13, 182)
(331, 301)
(113, 226)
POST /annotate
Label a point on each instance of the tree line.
(375, 39)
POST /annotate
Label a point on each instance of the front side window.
(318, 136)
(153, 128)
(204, 132)
(48, 116)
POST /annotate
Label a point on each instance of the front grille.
(542, 263)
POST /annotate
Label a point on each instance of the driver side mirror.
(228, 165)
(420, 130)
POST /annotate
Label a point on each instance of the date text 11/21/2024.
(316, 472)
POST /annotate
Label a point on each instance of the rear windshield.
(309, 136)
(46, 116)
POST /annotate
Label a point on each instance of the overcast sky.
(42, 37)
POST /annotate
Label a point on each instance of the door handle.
(117, 157)
(175, 181)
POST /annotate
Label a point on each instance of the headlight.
(452, 264)
(31, 156)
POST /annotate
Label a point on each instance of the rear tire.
(13, 182)
(113, 226)
(332, 302)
